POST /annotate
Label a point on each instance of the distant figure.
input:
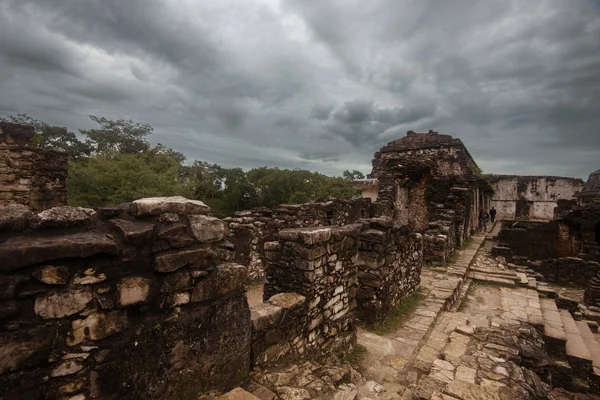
(484, 217)
(493, 214)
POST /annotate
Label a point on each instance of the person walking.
(484, 217)
(493, 214)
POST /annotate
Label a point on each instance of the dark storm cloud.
(316, 84)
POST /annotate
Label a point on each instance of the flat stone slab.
(21, 251)
(238, 394)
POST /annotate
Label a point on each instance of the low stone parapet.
(112, 303)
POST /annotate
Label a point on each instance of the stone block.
(186, 258)
(133, 231)
(207, 229)
(238, 394)
(52, 275)
(161, 205)
(61, 217)
(306, 235)
(14, 217)
(133, 290)
(226, 279)
(20, 251)
(97, 326)
(62, 304)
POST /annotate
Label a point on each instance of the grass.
(356, 355)
(398, 314)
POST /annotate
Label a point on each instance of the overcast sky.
(317, 84)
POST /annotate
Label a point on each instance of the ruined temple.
(158, 299)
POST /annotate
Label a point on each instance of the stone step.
(590, 342)
(577, 352)
(522, 278)
(532, 283)
(491, 279)
(554, 333)
(545, 291)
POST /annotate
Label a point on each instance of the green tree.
(52, 137)
(117, 137)
(103, 181)
(355, 174)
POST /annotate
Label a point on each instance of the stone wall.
(531, 197)
(389, 267)
(137, 301)
(249, 230)
(279, 328)
(319, 264)
(533, 240)
(29, 175)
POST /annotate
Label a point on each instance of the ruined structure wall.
(249, 230)
(129, 302)
(389, 265)
(535, 240)
(531, 197)
(30, 176)
(318, 264)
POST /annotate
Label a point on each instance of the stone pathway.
(388, 356)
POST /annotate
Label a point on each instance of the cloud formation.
(317, 84)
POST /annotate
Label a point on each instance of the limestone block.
(14, 217)
(69, 367)
(62, 304)
(290, 393)
(89, 277)
(134, 232)
(306, 235)
(52, 275)
(97, 326)
(227, 278)
(133, 290)
(22, 351)
(187, 258)
(172, 236)
(60, 217)
(161, 205)
(207, 229)
(238, 394)
(21, 251)
(176, 282)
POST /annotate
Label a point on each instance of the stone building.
(531, 197)
(33, 177)
(369, 187)
(425, 175)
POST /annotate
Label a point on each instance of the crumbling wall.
(249, 230)
(30, 176)
(138, 301)
(531, 197)
(389, 267)
(532, 239)
(319, 264)
(591, 295)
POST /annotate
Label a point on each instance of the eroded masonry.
(148, 299)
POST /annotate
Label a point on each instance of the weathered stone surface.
(97, 326)
(306, 235)
(21, 251)
(133, 290)
(52, 275)
(186, 258)
(60, 217)
(172, 236)
(14, 217)
(61, 304)
(291, 393)
(89, 277)
(134, 232)
(27, 349)
(162, 205)
(69, 367)
(238, 394)
(176, 282)
(207, 229)
(227, 278)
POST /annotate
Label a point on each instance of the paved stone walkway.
(390, 357)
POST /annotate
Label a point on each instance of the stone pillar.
(319, 264)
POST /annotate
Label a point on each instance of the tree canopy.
(115, 163)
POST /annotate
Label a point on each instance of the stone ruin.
(148, 299)
(30, 176)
